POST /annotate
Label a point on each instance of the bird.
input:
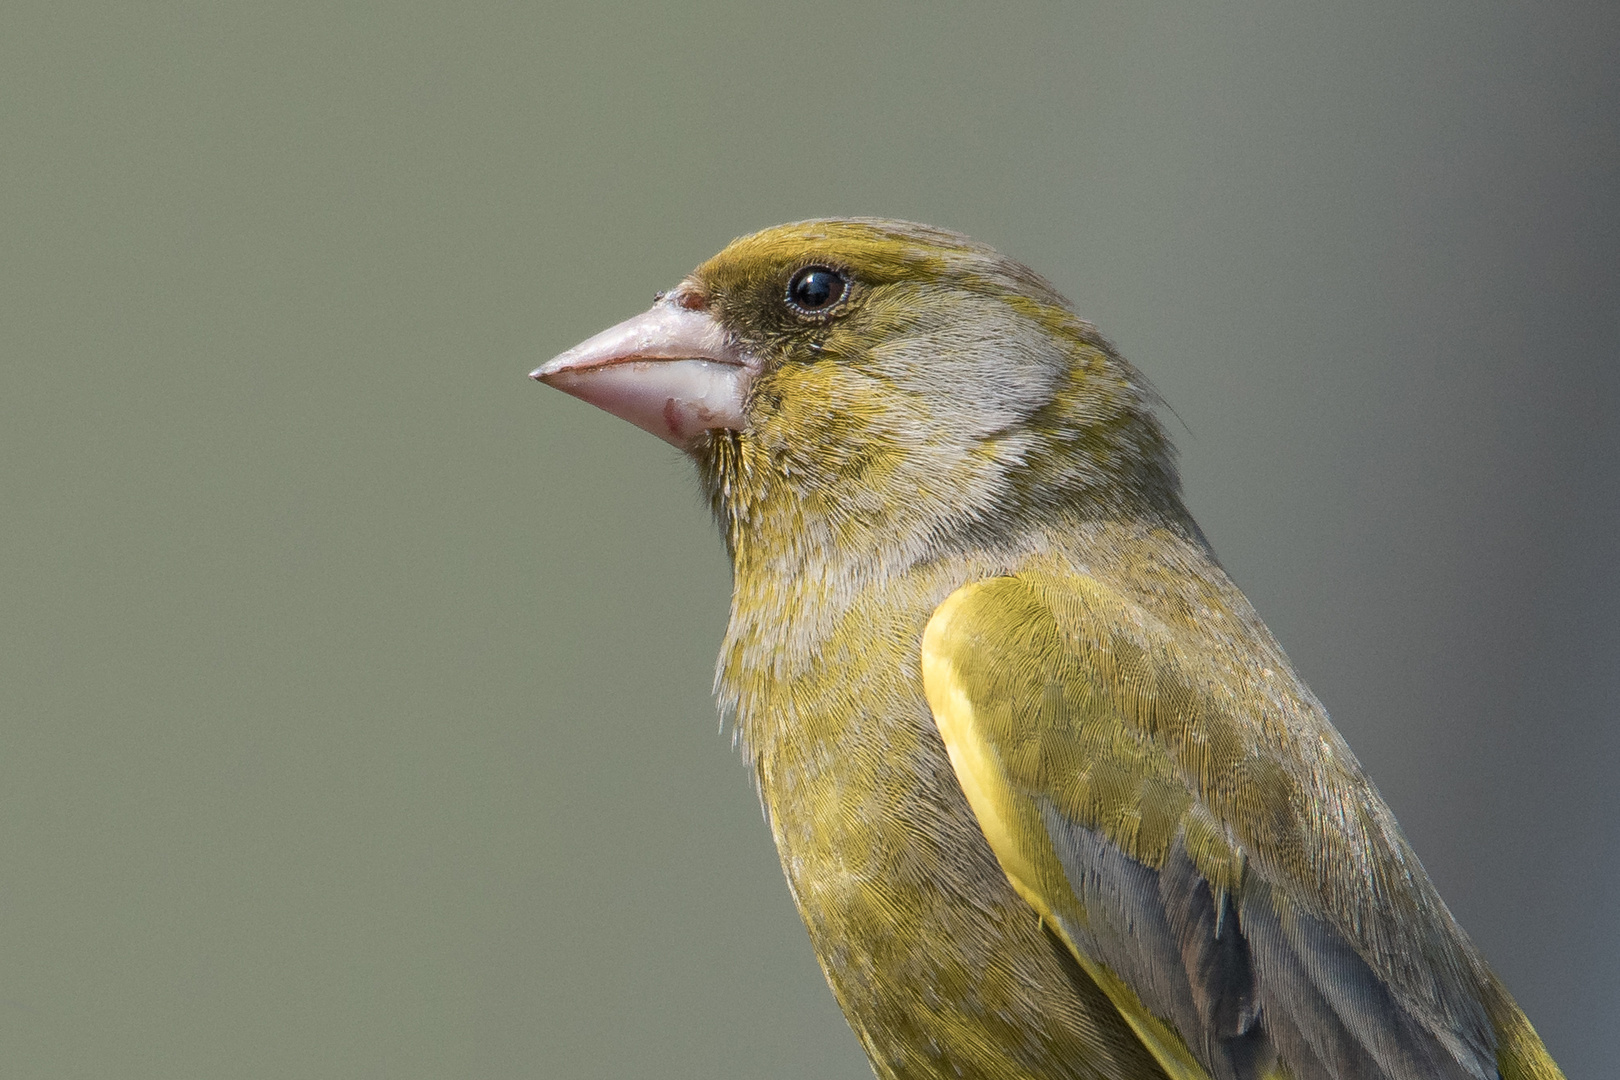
(1048, 794)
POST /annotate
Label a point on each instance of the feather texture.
(1099, 723)
(1049, 797)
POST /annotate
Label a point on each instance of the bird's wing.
(1245, 901)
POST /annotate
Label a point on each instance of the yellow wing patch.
(1012, 825)
(977, 765)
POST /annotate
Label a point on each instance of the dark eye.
(816, 288)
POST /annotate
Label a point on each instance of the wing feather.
(1109, 774)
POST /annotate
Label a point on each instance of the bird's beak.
(672, 370)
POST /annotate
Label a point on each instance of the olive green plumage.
(1095, 826)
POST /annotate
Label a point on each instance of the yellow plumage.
(1048, 795)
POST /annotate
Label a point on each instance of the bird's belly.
(942, 970)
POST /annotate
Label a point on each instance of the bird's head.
(875, 387)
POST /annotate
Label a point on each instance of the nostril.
(690, 298)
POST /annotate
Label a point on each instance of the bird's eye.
(816, 288)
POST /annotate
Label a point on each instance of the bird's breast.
(942, 970)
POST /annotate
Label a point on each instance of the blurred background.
(354, 691)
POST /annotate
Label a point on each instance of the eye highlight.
(814, 290)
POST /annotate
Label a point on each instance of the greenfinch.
(1047, 793)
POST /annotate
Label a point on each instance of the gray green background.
(354, 691)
